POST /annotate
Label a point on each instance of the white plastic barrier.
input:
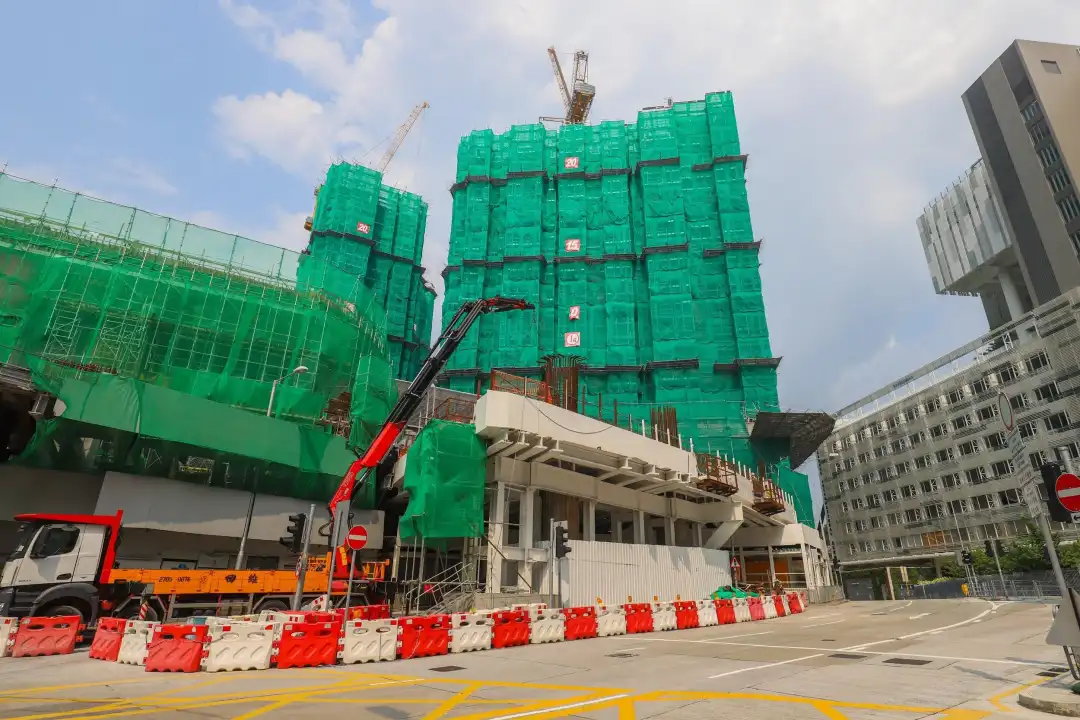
(663, 614)
(470, 632)
(610, 621)
(742, 610)
(769, 605)
(803, 601)
(531, 607)
(275, 616)
(369, 641)
(135, 641)
(706, 612)
(548, 626)
(787, 606)
(8, 626)
(240, 646)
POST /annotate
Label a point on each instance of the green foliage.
(951, 569)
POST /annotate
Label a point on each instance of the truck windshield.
(24, 536)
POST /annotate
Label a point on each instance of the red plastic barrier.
(509, 628)
(778, 601)
(686, 615)
(307, 644)
(107, 639)
(757, 612)
(361, 612)
(425, 636)
(580, 622)
(725, 611)
(176, 648)
(45, 636)
(639, 617)
(794, 603)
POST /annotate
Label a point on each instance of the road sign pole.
(348, 583)
(298, 595)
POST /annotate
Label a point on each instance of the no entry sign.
(357, 538)
(1068, 491)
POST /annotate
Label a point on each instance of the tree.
(950, 569)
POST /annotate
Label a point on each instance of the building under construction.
(635, 243)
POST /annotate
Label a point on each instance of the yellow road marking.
(451, 703)
(995, 700)
(626, 709)
(536, 710)
(829, 711)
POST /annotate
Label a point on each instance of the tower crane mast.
(399, 136)
(578, 98)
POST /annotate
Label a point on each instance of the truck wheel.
(273, 606)
(60, 610)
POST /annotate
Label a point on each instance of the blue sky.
(226, 113)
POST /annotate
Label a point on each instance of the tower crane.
(391, 150)
(399, 136)
(578, 97)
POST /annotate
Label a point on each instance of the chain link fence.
(1035, 586)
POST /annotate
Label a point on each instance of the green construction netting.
(444, 474)
(123, 424)
(376, 233)
(635, 242)
(798, 486)
(90, 289)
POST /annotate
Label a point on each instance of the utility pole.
(298, 596)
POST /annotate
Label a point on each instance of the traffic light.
(966, 557)
(294, 540)
(562, 541)
(1050, 473)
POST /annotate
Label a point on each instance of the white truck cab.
(59, 564)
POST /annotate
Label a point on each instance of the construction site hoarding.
(164, 340)
(635, 243)
(376, 233)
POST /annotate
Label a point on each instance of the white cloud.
(849, 109)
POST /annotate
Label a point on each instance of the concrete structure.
(611, 485)
(921, 468)
(1025, 113)
(968, 250)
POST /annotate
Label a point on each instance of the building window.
(1059, 180)
(929, 486)
(951, 480)
(909, 491)
(1027, 430)
(876, 522)
(867, 547)
(982, 502)
(959, 423)
(844, 506)
(1048, 155)
(1018, 402)
(1051, 67)
(923, 462)
(852, 550)
(987, 413)
(1006, 374)
(898, 543)
(976, 475)
(1002, 468)
(903, 468)
(898, 446)
(939, 430)
(955, 396)
(1075, 237)
(849, 527)
(873, 501)
(995, 441)
(1038, 132)
(884, 544)
(883, 475)
(893, 422)
(958, 507)
(944, 455)
(1057, 422)
(912, 413)
(915, 438)
(933, 405)
(1009, 497)
(1047, 393)
(969, 448)
(889, 496)
(913, 515)
(980, 386)
(934, 512)
(881, 451)
(1036, 459)
(860, 525)
(1069, 207)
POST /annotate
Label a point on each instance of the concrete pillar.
(590, 520)
(1012, 295)
(526, 535)
(639, 527)
(616, 525)
(669, 531)
(772, 566)
(496, 529)
(699, 531)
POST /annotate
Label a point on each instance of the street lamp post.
(298, 370)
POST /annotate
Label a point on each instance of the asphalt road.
(958, 659)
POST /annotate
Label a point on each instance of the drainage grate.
(446, 668)
(1050, 673)
(847, 656)
(907, 661)
(622, 655)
